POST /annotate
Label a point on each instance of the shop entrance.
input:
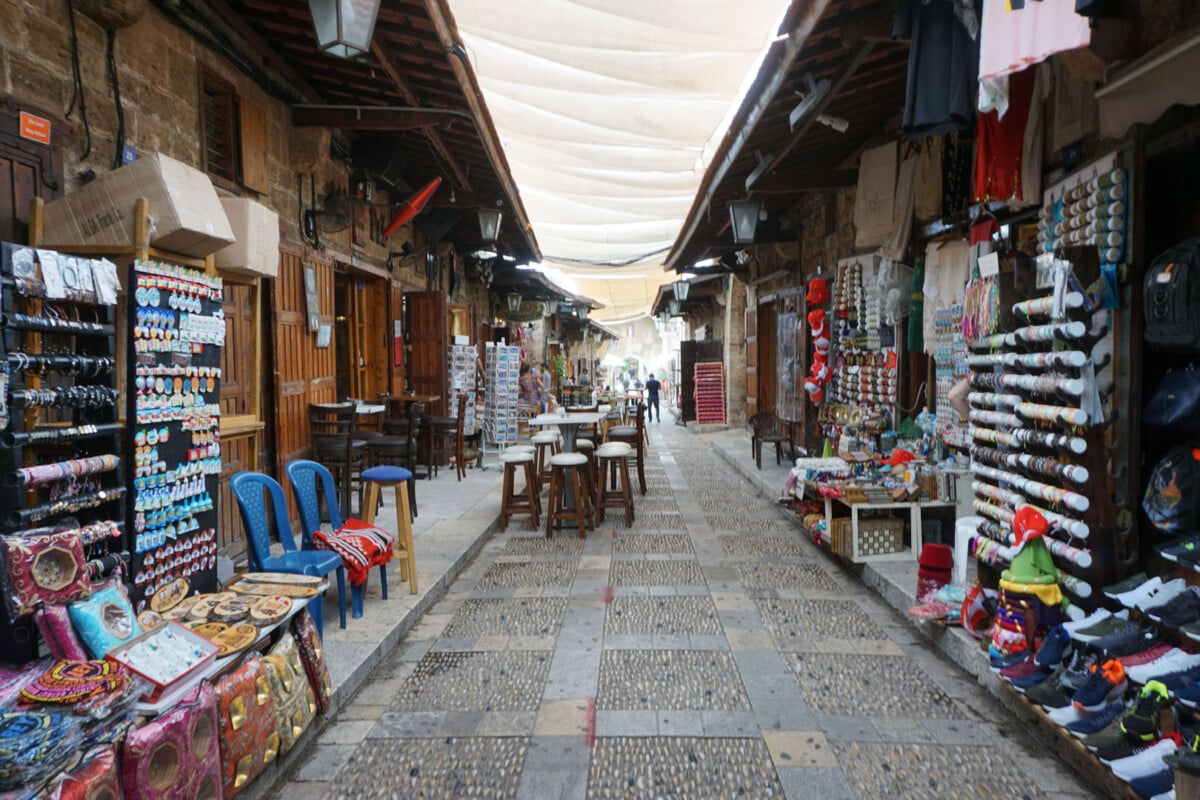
(360, 309)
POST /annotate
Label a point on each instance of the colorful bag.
(246, 716)
(1172, 500)
(96, 778)
(43, 566)
(54, 623)
(175, 756)
(313, 656)
(360, 545)
(34, 745)
(294, 701)
(105, 620)
(1175, 402)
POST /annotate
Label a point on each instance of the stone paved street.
(707, 652)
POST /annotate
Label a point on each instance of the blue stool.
(396, 477)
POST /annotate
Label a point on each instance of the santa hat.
(818, 292)
(1028, 524)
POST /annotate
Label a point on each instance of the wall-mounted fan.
(332, 216)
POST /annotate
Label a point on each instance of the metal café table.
(568, 425)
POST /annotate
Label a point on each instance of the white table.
(568, 424)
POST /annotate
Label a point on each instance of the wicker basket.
(877, 536)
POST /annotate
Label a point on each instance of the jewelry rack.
(1040, 411)
(60, 437)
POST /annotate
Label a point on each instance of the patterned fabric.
(175, 756)
(105, 620)
(313, 656)
(83, 685)
(54, 623)
(95, 779)
(43, 568)
(246, 717)
(34, 745)
(360, 545)
(294, 701)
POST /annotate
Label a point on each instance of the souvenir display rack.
(60, 438)
(1041, 402)
(462, 381)
(178, 329)
(950, 358)
(710, 392)
(500, 397)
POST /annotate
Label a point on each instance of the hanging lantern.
(344, 27)
(681, 290)
(744, 217)
(673, 306)
(489, 224)
(581, 312)
(514, 301)
(597, 336)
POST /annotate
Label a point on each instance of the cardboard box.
(186, 216)
(256, 251)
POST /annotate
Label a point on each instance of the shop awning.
(1141, 92)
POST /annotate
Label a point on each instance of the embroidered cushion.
(313, 656)
(175, 756)
(54, 623)
(45, 566)
(105, 620)
(360, 545)
(294, 701)
(246, 718)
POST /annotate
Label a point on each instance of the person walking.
(652, 387)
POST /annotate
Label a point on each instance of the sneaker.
(1156, 785)
(1186, 549)
(1052, 692)
(1109, 734)
(1025, 669)
(1055, 647)
(1152, 653)
(1088, 621)
(1191, 630)
(1080, 668)
(1103, 628)
(1124, 749)
(1128, 597)
(1181, 611)
(1177, 681)
(1067, 715)
(1162, 595)
(1147, 762)
(1131, 639)
(1173, 662)
(1140, 720)
(1105, 685)
(1125, 585)
(1189, 695)
(999, 663)
(1025, 682)
(1094, 723)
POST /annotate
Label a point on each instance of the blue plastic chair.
(248, 488)
(304, 475)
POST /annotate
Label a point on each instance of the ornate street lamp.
(489, 224)
(673, 306)
(514, 301)
(681, 290)
(344, 27)
(744, 217)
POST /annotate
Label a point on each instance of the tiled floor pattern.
(706, 652)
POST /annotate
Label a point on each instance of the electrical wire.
(118, 159)
(590, 263)
(79, 95)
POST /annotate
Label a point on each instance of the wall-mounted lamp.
(344, 27)
(681, 290)
(565, 308)
(582, 312)
(597, 336)
(489, 224)
(673, 306)
(744, 217)
(514, 301)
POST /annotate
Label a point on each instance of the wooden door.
(425, 334)
(767, 333)
(751, 362)
(395, 332)
(27, 170)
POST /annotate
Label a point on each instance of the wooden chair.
(260, 500)
(635, 436)
(770, 429)
(402, 451)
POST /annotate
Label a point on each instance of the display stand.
(710, 392)
(856, 546)
(462, 359)
(500, 397)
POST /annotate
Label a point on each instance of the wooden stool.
(527, 502)
(588, 448)
(568, 470)
(614, 464)
(396, 477)
(547, 444)
(520, 448)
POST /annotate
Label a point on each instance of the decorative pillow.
(246, 718)
(313, 656)
(294, 701)
(360, 545)
(43, 568)
(95, 779)
(175, 756)
(105, 620)
(54, 623)
(34, 745)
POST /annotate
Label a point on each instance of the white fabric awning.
(608, 111)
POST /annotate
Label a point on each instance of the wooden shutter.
(253, 128)
(425, 325)
(751, 362)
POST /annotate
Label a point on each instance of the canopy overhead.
(608, 111)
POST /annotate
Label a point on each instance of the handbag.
(43, 566)
(1176, 401)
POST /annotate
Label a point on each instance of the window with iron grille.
(219, 127)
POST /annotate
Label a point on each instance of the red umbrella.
(412, 206)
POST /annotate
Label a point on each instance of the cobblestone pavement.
(707, 652)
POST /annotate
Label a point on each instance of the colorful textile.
(313, 655)
(184, 739)
(360, 545)
(294, 701)
(105, 620)
(1012, 40)
(43, 567)
(246, 716)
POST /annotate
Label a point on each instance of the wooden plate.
(180, 612)
(268, 589)
(209, 630)
(230, 612)
(235, 638)
(170, 595)
(269, 610)
(149, 619)
(282, 577)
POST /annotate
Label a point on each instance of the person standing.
(652, 388)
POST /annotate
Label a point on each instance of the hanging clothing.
(943, 65)
(927, 196)
(1012, 40)
(1076, 113)
(958, 161)
(915, 341)
(1009, 155)
(875, 198)
(947, 266)
(896, 244)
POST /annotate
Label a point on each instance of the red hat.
(818, 292)
(1028, 523)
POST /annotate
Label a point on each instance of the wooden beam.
(806, 179)
(410, 97)
(365, 118)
